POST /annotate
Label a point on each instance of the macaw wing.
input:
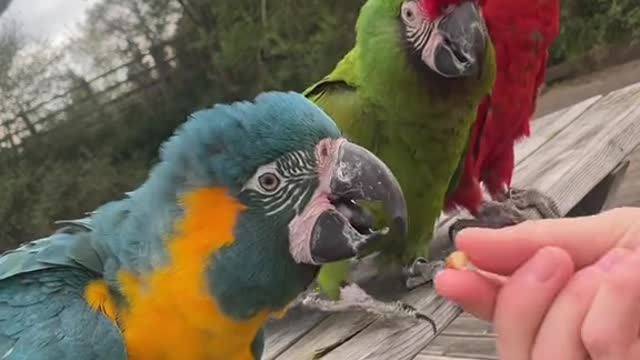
(43, 315)
(336, 97)
(464, 188)
(337, 94)
(69, 247)
(43, 312)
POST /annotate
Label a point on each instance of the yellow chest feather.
(171, 314)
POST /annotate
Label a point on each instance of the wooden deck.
(571, 152)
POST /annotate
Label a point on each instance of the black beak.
(463, 42)
(341, 232)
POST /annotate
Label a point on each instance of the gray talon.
(499, 214)
(532, 198)
(423, 272)
(353, 298)
(493, 215)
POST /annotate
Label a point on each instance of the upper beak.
(463, 42)
(341, 231)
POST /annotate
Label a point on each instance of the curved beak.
(342, 230)
(460, 42)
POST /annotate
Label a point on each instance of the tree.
(589, 24)
(31, 74)
(247, 46)
(130, 28)
(4, 5)
(11, 41)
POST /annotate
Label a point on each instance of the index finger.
(586, 239)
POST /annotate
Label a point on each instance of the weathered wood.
(401, 340)
(466, 325)
(628, 194)
(570, 165)
(327, 333)
(546, 127)
(476, 347)
(598, 198)
(296, 324)
(620, 174)
(440, 357)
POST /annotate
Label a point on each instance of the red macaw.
(522, 31)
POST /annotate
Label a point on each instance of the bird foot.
(532, 198)
(353, 298)
(499, 214)
(422, 272)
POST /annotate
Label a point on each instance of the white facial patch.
(429, 50)
(301, 227)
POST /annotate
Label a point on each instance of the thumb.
(585, 239)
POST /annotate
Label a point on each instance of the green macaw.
(408, 91)
(232, 224)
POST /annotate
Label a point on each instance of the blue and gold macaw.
(248, 200)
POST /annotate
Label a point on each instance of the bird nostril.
(459, 55)
(448, 43)
(455, 50)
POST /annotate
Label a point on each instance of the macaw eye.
(269, 181)
(409, 13)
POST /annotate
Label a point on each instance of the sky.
(54, 20)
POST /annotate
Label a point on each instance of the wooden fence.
(131, 79)
(95, 95)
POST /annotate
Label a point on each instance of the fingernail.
(607, 262)
(542, 266)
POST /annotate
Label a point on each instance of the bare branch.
(187, 10)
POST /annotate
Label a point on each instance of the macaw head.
(296, 183)
(449, 37)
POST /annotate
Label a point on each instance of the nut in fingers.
(458, 261)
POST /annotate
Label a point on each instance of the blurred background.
(90, 88)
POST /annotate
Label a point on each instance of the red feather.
(435, 8)
(522, 32)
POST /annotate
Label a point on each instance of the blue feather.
(42, 310)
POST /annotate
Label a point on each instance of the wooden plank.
(296, 324)
(570, 165)
(619, 176)
(629, 192)
(546, 127)
(463, 347)
(441, 357)
(600, 197)
(466, 325)
(320, 331)
(399, 340)
(333, 329)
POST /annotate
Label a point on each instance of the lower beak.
(340, 232)
(462, 42)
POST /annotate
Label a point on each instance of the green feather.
(416, 121)
(328, 274)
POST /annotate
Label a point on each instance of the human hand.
(555, 289)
